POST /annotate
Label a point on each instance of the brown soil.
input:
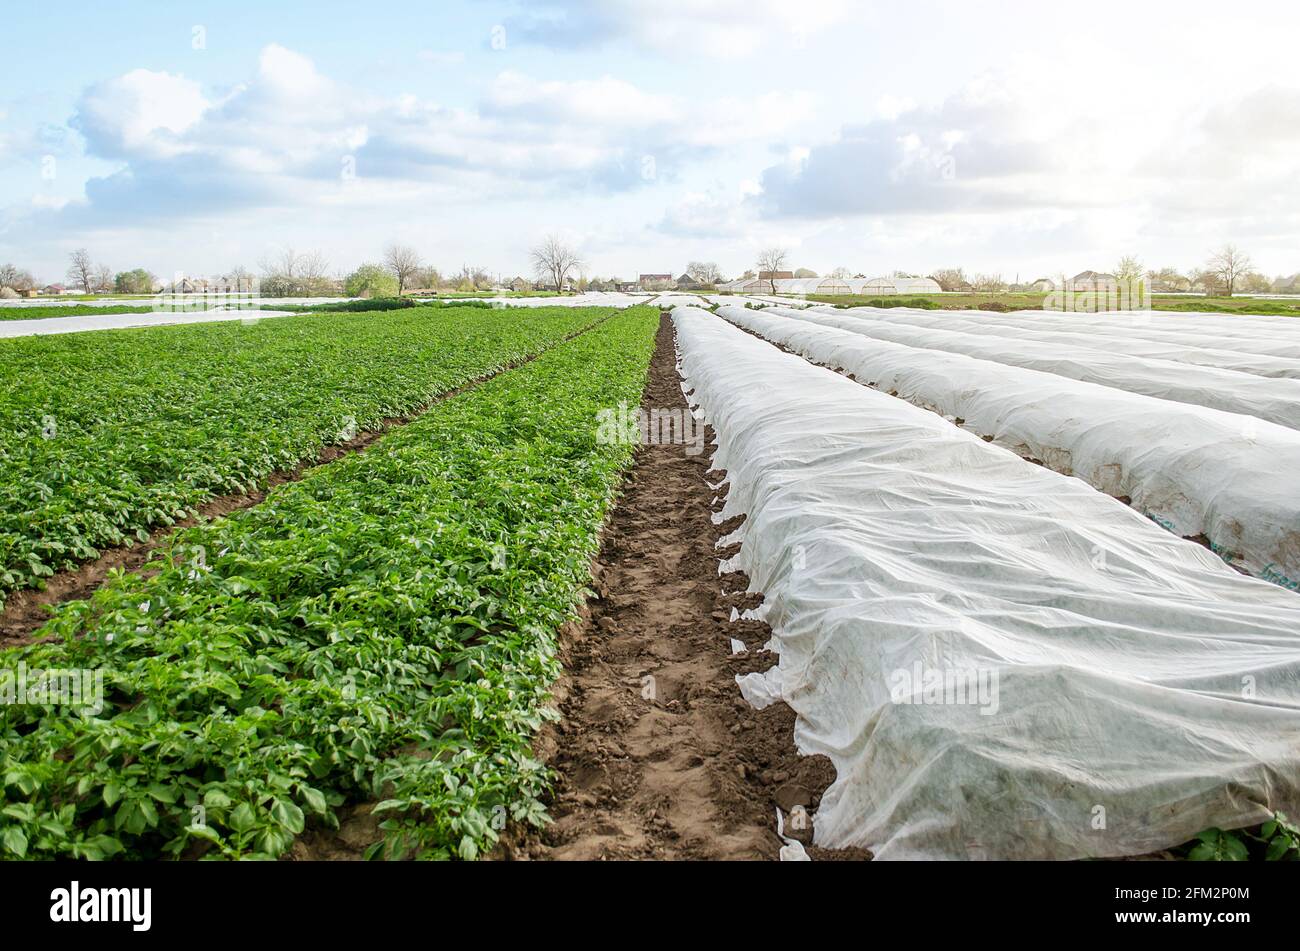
(658, 756)
(25, 611)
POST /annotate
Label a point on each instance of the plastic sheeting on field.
(1124, 689)
(1194, 470)
(1276, 400)
(64, 325)
(1203, 348)
(589, 299)
(1251, 334)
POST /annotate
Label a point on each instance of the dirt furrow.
(657, 753)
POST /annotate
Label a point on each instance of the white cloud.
(290, 136)
(140, 113)
(603, 101)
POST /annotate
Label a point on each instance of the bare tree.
(840, 273)
(103, 278)
(285, 263)
(1169, 279)
(16, 278)
(429, 277)
(404, 263)
(280, 274)
(553, 260)
(1229, 264)
(291, 274)
(1255, 283)
(704, 272)
(81, 270)
(472, 278)
(1207, 282)
(989, 283)
(771, 260)
(241, 279)
(950, 278)
(313, 272)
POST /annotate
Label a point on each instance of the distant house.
(1287, 285)
(687, 283)
(1043, 284)
(51, 290)
(1086, 281)
(654, 282)
(227, 284)
(189, 285)
(520, 284)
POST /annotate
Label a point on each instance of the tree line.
(557, 266)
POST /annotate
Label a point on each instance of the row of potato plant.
(107, 435)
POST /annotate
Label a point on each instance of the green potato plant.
(382, 632)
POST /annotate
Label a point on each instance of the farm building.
(893, 285)
(1092, 281)
(809, 286)
(188, 285)
(1045, 284)
(654, 282)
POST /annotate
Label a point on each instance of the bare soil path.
(658, 754)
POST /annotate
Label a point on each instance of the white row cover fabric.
(1275, 400)
(1130, 689)
(1194, 470)
(65, 325)
(1244, 323)
(1200, 348)
(837, 286)
(677, 299)
(1258, 334)
(588, 299)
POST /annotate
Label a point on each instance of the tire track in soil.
(26, 610)
(687, 770)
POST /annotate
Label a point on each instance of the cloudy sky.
(1018, 138)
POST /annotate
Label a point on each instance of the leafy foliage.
(383, 629)
(1276, 841)
(377, 304)
(106, 435)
